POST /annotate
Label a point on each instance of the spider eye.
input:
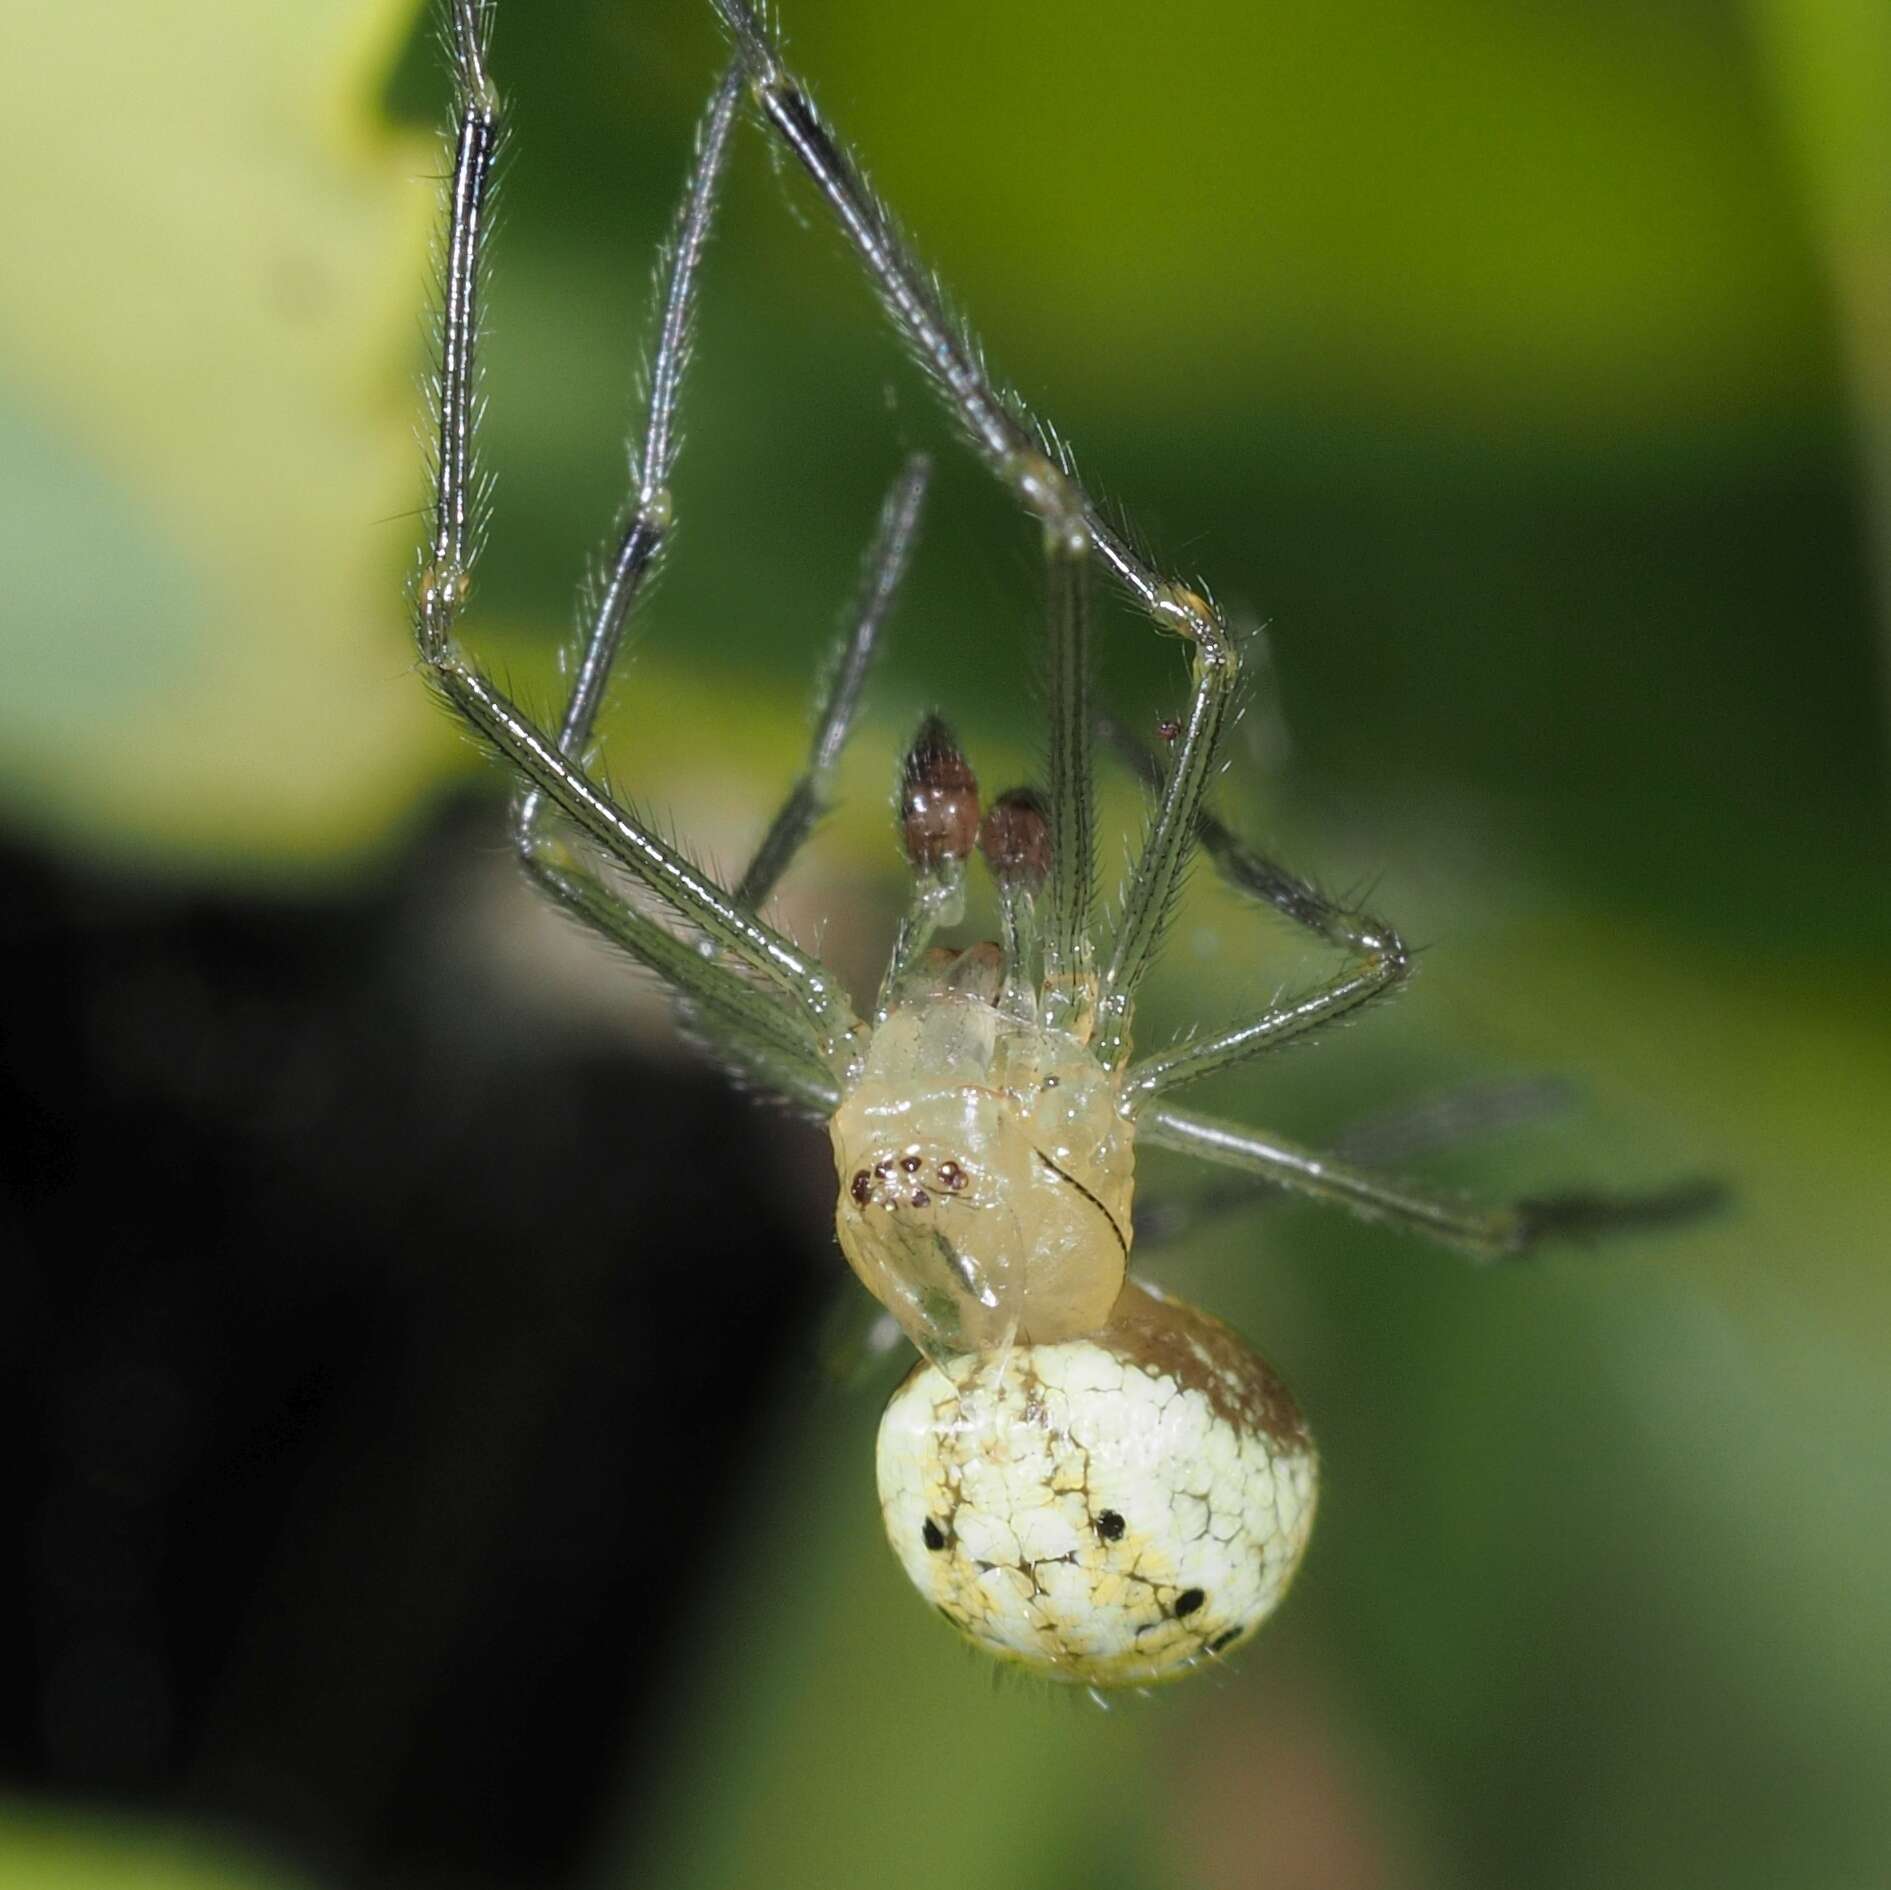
(1107, 1511)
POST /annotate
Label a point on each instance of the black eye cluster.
(884, 1183)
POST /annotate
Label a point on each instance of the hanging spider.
(1103, 1484)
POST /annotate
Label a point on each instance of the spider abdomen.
(1106, 1511)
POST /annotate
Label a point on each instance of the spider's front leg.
(652, 514)
(782, 1008)
(1039, 474)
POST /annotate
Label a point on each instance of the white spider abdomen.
(1106, 1511)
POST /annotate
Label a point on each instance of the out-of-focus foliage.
(67, 1849)
(213, 244)
(1514, 361)
(1830, 61)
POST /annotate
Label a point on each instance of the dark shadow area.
(378, 1374)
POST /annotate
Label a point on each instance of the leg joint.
(1185, 612)
(1385, 950)
(442, 590)
(1045, 490)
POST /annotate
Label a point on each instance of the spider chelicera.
(1088, 1478)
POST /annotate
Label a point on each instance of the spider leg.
(887, 559)
(815, 1011)
(1446, 1120)
(1070, 973)
(1038, 473)
(1351, 1175)
(744, 1021)
(748, 1023)
(1486, 1233)
(1378, 959)
(651, 515)
(1250, 871)
(812, 1086)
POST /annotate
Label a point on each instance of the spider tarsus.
(468, 40)
(1587, 1217)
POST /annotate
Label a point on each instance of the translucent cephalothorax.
(986, 1166)
(1090, 1479)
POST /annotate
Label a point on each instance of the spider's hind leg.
(1506, 1232)
(1449, 1119)
(1378, 961)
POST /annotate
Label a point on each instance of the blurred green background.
(1527, 370)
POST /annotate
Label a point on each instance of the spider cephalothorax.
(988, 1169)
(1086, 1477)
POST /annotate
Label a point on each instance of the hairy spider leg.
(1505, 1232)
(887, 559)
(1465, 1113)
(836, 709)
(1350, 1176)
(784, 1068)
(1378, 962)
(1070, 969)
(786, 1015)
(1029, 461)
(652, 512)
(770, 1046)
(652, 517)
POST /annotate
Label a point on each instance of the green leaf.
(207, 404)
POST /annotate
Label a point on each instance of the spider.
(1101, 1483)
